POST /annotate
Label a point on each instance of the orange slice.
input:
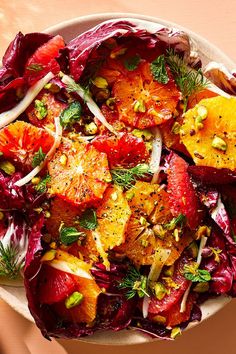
(20, 141)
(203, 142)
(83, 176)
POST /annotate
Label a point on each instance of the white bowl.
(15, 296)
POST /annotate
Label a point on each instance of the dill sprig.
(9, 262)
(127, 177)
(189, 81)
(134, 283)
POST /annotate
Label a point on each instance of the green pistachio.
(74, 299)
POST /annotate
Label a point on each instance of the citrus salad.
(117, 179)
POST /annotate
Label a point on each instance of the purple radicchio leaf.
(80, 48)
(219, 267)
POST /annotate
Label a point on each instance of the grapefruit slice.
(83, 179)
(213, 144)
(43, 60)
(143, 102)
(20, 141)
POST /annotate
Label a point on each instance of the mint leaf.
(88, 220)
(68, 235)
(71, 114)
(200, 275)
(38, 157)
(158, 69)
(132, 62)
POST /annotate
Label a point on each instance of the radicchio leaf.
(80, 48)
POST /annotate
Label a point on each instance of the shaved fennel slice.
(92, 106)
(49, 155)
(156, 154)
(199, 259)
(11, 115)
(65, 267)
(160, 258)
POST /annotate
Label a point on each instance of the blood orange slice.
(20, 141)
(125, 150)
(143, 102)
(50, 107)
(83, 179)
(43, 60)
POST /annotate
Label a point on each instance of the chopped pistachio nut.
(198, 123)
(1, 215)
(219, 144)
(53, 245)
(35, 180)
(49, 255)
(139, 106)
(47, 214)
(160, 290)
(52, 87)
(169, 271)
(144, 134)
(114, 196)
(63, 160)
(74, 299)
(117, 52)
(91, 128)
(143, 221)
(100, 82)
(144, 242)
(159, 231)
(171, 283)
(110, 102)
(202, 231)
(7, 167)
(176, 331)
(175, 128)
(159, 319)
(176, 235)
(201, 287)
(202, 112)
(129, 195)
(41, 109)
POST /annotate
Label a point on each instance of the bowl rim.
(12, 300)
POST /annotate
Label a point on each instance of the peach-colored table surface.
(216, 21)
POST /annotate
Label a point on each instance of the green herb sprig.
(188, 80)
(38, 157)
(180, 220)
(69, 235)
(88, 220)
(135, 284)
(193, 273)
(71, 114)
(158, 69)
(127, 177)
(9, 264)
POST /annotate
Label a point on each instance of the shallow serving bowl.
(15, 295)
